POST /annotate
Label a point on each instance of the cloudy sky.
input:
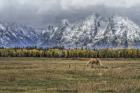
(43, 12)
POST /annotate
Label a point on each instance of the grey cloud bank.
(43, 12)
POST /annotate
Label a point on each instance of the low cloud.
(36, 11)
(41, 6)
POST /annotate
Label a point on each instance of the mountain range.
(95, 31)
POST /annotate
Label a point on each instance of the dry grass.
(42, 75)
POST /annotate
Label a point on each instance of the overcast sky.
(43, 12)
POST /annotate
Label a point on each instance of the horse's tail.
(88, 63)
(99, 62)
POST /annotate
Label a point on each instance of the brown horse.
(94, 61)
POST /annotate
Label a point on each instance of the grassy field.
(42, 75)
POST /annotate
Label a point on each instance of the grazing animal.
(94, 61)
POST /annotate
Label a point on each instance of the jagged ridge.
(94, 32)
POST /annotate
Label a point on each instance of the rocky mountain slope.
(93, 32)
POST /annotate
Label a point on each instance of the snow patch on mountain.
(94, 32)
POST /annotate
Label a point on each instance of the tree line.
(70, 53)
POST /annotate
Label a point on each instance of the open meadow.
(51, 75)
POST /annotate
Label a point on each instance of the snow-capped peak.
(95, 31)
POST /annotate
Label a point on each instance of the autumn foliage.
(70, 53)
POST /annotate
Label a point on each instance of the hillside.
(93, 32)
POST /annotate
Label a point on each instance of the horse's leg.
(92, 65)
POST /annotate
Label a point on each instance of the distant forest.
(69, 53)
